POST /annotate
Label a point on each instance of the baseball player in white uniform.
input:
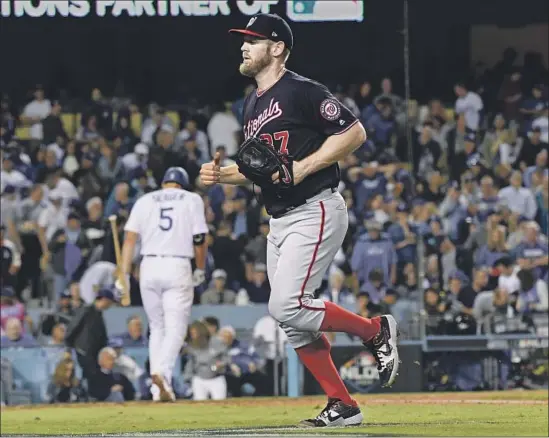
(169, 222)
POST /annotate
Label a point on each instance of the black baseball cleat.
(384, 348)
(335, 414)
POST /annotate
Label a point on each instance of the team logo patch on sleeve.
(330, 109)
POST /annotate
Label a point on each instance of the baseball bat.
(125, 299)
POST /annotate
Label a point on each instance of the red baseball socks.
(337, 319)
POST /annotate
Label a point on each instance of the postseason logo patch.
(330, 109)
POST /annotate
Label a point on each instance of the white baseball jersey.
(98, 275)
(167, 220)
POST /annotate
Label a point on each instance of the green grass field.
(439, 414)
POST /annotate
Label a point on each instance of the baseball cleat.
(166, 392)
(384, 349)
(335, 414)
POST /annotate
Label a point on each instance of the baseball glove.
(257, 160)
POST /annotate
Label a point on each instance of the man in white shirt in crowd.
(470, 104)
(11, 176)
(98, 276)
(224, 129)
(542, 123)
(52, 218)
(137, 158)
(67, 190)
(508, 279)
(520, 200)
(157, 118)
(35, 112)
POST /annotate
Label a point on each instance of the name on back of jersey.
(163, 196)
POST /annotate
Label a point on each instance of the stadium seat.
(23, 132)
(69, 125)
(174, 117)
(136, 122)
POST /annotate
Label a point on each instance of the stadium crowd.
(469, 194)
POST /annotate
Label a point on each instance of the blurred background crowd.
(448, 202)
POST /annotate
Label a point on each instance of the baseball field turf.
(504, 413)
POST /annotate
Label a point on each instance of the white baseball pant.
(167, 292)
(215, 388)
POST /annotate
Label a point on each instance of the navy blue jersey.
(296, 115)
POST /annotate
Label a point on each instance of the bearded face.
(256, 56)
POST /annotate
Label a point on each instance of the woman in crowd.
(65, 387)
(206, 364)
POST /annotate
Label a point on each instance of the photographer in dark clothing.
(87, 332)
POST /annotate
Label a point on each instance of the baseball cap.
(141, 149)
(107, 293)
(458, 275)
(470, 136)
(219, 273)
(270, 27)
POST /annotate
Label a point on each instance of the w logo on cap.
(252, 21)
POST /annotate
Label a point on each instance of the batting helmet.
(177, 175)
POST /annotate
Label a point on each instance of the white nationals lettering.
(254, 126)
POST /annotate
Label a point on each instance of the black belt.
(166, 256)
(283, 211)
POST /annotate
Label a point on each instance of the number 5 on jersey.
(282, 136)
(166, 220)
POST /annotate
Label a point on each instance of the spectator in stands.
(469, 104)
(64, 386)
(124, 364)
(27, 217)
(492, 303)
(94, 224)
(99, 108)
(373, 250)
(427, 151)
(87, 332)
(157, 118)
(533, 175)
(35, 112)
(191, 133)
(56, 181)
(532, 252)
(507, 278)
(542, 123)
(493, 138)
(205, 367)
(256, 249)
(69, 248)
(123, 133)
(519, 199)
(434, 309)
(10, 176)
(468, 292)
(110, 165)
(52, 126)
(15, 337)
(11, 260)
(11, 307)
(120, 201)
(257, 287)
(532, 294)
(381, 124)
(226, 252)
(57, 338)
(243, 363)
(364, 307)
(88, 132)
(134, 335)
(397, 103)
(218, 293)
(106, 385)
(375, 287)
(336, 291)
(367, 182)
(532, 107)
(403, 236)
(212, 324)
(99, 275)
(224, 129)
(542, 199)
(88, 179)
(530, 149)
(487, 255)
(447, 260)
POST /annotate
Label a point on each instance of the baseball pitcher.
(295, 133)
(170, 223)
